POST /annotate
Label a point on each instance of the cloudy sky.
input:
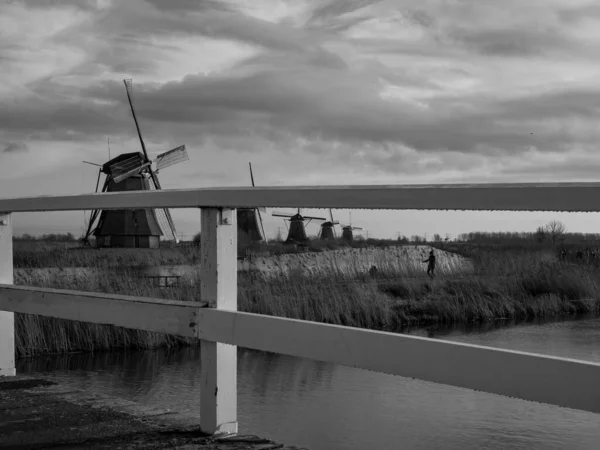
(310, 91)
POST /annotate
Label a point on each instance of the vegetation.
(512, 277)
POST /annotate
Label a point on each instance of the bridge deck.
(39, 413)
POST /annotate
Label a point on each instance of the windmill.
(347, 230)
(133, 172)
(248, 225)
(328, 228)
(297, 231)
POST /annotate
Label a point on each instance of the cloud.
(393, 91)
(14, 147)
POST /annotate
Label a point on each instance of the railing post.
(218, 277)
(7, 319)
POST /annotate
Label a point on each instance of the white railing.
(215, 319)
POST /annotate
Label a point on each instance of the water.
(323, 406)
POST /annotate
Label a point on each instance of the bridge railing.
(214, 318)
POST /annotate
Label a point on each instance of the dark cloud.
(14, 147)
(80, 4)
(572, 15)
(296, 89)
(191, 5)
(520, 41)
(333, 15)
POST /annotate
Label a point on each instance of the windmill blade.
(262, 228)
(173, 156)
(125, 165)
(96, 212)
(332, 222)
(251, 174)
(314, 218)
(123, 175)
(163, 214)
(280, 214)
(259, 209)
(262, 209)
(129, 89)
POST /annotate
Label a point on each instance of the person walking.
(430, 264)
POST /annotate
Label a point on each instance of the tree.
(437, 237)
(540, 234)
(555, 231)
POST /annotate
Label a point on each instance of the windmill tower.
(297, 230)
(347, 230)
(248, 220)
(137, 228)
(328, 228)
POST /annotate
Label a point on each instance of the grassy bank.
(505, 284)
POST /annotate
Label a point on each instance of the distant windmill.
(133, 172)
(328, 228)
(248, 225)
(297, 230)
(347, 230)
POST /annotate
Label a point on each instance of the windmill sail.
(129, 89)
(134, 227)
(174, 156)
(165, 221)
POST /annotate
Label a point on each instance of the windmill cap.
(133, 159)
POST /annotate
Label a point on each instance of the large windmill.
(297, 230)
(133, 172)
(328, 228)
(347, 230)
(248, 225)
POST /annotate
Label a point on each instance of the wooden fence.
(214, 318)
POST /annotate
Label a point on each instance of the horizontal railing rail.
(482, 197)
(214, 318)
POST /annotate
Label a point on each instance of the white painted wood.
(499, 197)
(218, 275)
(140, 313)
(7, 319)
(557, 381)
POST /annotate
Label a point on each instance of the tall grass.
(501, 284)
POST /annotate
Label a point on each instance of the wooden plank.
(218, 272)
(499, 197)
(140, 313)
(557, 381)
(7, 319)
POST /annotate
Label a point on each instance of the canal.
(324, 406)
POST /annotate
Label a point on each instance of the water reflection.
(323, 406)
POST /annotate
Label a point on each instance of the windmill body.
(328, 228)
(137, 228)
(249, 222)
(297, 229)
(133, 172)
(347, 232)
(327, 232)
(248, 226)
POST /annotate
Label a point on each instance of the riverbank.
(39, 413)
(503, 285)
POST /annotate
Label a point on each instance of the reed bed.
(493, 285)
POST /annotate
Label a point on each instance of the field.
(473, 283)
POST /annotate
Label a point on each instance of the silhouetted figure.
(563, 254)
(373, 271)
(431, 264)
